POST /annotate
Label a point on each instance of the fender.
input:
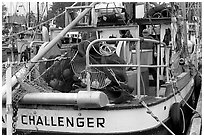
(178, 123)
(197, 85)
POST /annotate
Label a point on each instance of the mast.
(28, 14)
(38, 13)
(47, 9)
(185, 41)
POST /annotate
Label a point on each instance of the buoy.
(176, 118)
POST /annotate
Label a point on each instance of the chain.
(17, 94)
(21, 90)
(25, 86)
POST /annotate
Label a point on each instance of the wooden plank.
(196, 125)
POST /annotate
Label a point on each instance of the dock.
(196, 124)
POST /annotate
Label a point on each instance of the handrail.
(127, 65)
(78, 7)
(88, 65)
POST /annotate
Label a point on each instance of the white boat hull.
(110, 120)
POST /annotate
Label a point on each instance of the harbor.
(103, 68)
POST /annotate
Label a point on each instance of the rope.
(57, 60)
(194, 111)
(173, 89)
(118, 82)
(105, 50)
(154, 116)
(184, 125)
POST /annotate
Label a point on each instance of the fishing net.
(57, 74)
(67, 73)
(98, 79)
(25, 86)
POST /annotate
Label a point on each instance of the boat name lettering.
(63, 121)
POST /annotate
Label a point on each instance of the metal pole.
(28, 14)
(138, 69)
(42, 52)
(38, 13)
(77, 7)
(167, 63)
(9, 109)
(88, 65)
(173, 28)
(158, 55)
(12, 54)
(47, 9)
(61, 34)
(67, 19)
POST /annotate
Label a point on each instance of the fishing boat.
(104, 85)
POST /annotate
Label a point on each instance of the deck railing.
(138, 64)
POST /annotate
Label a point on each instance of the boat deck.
(149, 100)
